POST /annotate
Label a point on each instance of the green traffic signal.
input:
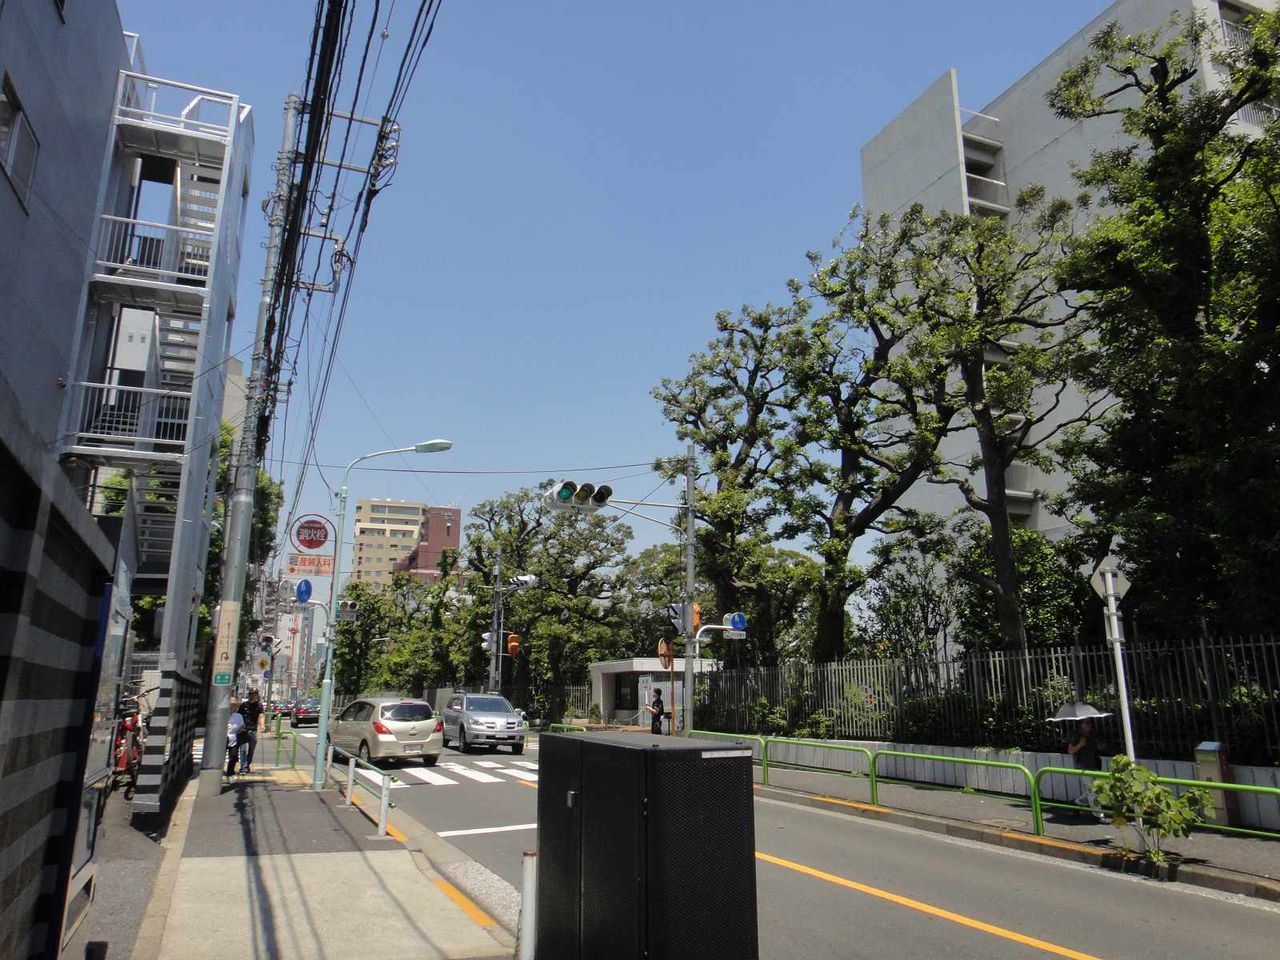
(566, 491)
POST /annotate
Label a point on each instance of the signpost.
(315, 564)
(1111, 585)
(303, 591)
(310, 532)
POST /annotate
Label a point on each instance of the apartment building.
(121, 211)
(387, 532)
(944, 156)
(441, 532)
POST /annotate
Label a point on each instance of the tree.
(866, 415)
(911, 601)
(729, 407)
(1181, 277)
(1052, 593)
(997, 320)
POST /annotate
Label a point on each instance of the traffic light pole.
(239, 522)
(689, 588)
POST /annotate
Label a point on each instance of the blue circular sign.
(738, 621)
(303, 591)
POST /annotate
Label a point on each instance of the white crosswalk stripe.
(376, 780)
(520, 774)
(527, 764)
(307, 736)
(490, 764)
(478, 775)
(429, 776)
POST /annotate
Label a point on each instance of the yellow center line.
(526, 783)
(465, 903)
(928, 908)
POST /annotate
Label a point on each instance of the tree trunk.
(828, 645)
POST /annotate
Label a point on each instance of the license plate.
(413, 747)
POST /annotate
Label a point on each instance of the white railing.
(129, 416)
(168, 103)
(1235, 34)
(159, 250)
(986, 190)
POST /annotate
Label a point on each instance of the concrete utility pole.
(690, 584)
(495, 655)
(239, 523)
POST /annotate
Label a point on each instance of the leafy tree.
(911, 602)
(1052, 593)
(1181, 277)
(866, 415)
(729, 407)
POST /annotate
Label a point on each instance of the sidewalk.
(271, 869)
(1255, 857)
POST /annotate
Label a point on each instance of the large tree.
(1181, 276)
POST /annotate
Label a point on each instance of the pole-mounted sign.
(303, 591)
(311, 532)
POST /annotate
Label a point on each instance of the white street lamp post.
(326, 688)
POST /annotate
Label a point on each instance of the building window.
(18, 144)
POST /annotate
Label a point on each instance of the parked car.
(483, 719)
(385, 728)
(304, 711)
(277, 708)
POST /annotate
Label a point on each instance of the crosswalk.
(451, 773)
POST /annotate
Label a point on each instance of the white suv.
(483, 719)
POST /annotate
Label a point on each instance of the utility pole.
(689, 587)
(495, 663)
(240, 510)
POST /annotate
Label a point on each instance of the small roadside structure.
(620, 687)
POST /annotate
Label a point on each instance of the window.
(411, 712)
(18, 145)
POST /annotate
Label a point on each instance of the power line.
(549, 471)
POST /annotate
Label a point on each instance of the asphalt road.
(835, 887)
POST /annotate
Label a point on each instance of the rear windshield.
(406, 711)
(489, 704)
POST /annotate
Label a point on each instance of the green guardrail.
(293, 750)
(762, 741)
(871, 773)
(1172, 782)
(1033, 793)
(565, 728)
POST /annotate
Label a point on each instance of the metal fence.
(1180, 694)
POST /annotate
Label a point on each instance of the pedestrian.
(1084, 750)
(251, 710)
(656, 708)
(235, 731)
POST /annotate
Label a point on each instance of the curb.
(1200, 875)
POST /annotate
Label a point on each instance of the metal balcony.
(171, 119)
(986, 196)
(121, 426)
(1235, 34)
(156, 265)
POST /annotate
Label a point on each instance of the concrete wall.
(64, 74)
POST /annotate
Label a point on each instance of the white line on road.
(491, 764)
(477, 830)
(477, 775)
(429, 776)
(374, 779)
(527, 764)
(520, 774)
(308, 736)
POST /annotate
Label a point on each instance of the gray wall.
(64, 74)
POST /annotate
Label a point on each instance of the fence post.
(384, 806)
(351, 780)
(875, 783)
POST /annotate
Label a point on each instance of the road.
(831, 887)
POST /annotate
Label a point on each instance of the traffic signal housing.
(513, 644)
(584, 497)
(347, 609)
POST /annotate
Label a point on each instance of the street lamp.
(326, 688)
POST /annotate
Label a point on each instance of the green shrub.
(1131, 795)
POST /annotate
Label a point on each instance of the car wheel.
(363, 751)
(430, 761)
(463, 746)
(517, 749)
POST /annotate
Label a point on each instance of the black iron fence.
(1180, 694)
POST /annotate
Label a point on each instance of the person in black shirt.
(251, 710)
(656, 708)
(1084, 750)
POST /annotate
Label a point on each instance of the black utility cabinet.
(646, 849)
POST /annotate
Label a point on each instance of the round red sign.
(312, 534)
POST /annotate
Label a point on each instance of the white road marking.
(527, 764)
(308, 736)
(471, 833)
(428, 776)
(376, 780)
(477, 775)
(491, 764)
(520, 774)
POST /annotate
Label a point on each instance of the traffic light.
(586, 497)
(266, 641)
(675, 613)
(513, 644)
(347, 609)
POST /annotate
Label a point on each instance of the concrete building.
(441, 531)
(946, 157)
(392, 532)
(121, 201)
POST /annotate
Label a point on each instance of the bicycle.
(129, 741)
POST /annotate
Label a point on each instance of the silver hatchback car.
(386, 728)
(483, 719)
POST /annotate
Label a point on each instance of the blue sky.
(581, 186)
